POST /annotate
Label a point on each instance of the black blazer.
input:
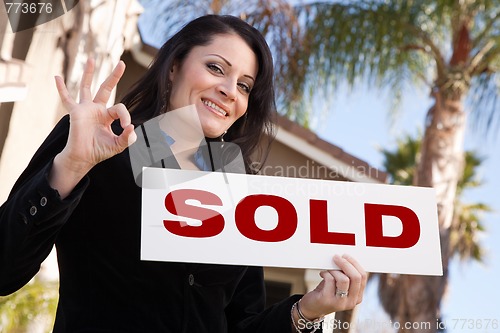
(104, 286)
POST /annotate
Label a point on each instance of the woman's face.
(217, 78)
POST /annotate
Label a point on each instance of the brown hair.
(147, 97)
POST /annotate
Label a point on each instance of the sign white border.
(345, 202)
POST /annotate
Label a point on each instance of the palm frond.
(396, 42)
(484, 101)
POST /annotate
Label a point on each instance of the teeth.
(215, 107)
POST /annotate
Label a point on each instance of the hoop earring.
(222, 136)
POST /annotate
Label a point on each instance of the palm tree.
(401, 165)
(453, 48)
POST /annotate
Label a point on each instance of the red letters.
(245, 218)
(373, 225)
(319, 226)
(212, 221)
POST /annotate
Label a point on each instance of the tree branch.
(479, 56)
(486, 60)
(413, 47)
(436, 53)
(477, 40)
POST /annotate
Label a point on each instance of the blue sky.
(358, 122)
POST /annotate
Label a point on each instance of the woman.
(78, 193)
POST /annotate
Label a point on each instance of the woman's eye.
(246, 88)
(215, 68)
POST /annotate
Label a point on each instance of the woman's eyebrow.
(230, 65)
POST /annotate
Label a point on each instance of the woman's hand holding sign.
(340, 290)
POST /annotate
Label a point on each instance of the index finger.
(109, 84)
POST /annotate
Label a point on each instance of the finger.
(119, 111)
(329, 283)
(127, 137)
(348, 268)
(341, 283)
(86, 83)
(67, 101)
(364, 274)
(355, 277)
(356, 264)
(109, 84)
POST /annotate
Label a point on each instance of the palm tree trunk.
(439, 165)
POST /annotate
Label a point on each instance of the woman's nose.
(228, 89)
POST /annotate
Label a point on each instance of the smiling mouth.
(214, 107)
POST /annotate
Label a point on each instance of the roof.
(311, 145)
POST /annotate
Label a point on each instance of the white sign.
(225, 218)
